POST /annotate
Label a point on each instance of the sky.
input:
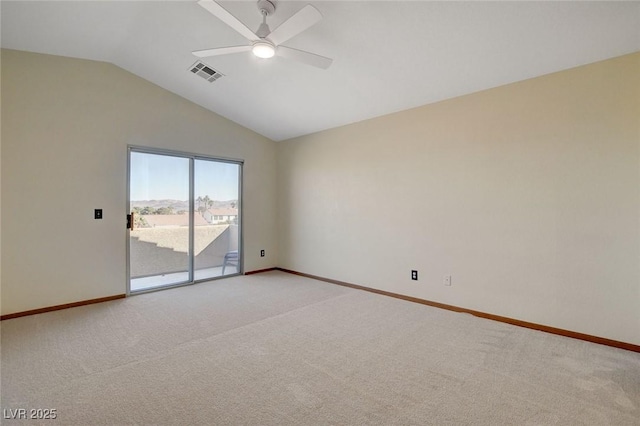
(159, 177)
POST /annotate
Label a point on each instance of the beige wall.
(66, 124)
(527, 194)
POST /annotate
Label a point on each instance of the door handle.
(130, 220)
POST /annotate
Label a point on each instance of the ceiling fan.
(264, 42)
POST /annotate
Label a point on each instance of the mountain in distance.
(179, 205)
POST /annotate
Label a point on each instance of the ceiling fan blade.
(300, 21)
(305, 57)
(220, 51)
(226, 17)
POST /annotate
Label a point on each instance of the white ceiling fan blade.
(226, 17)
(220, 51)
(300, 21)
(305, 57)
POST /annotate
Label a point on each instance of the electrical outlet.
(97, 213)
(414, 275)
(261, 253)
(447, 280)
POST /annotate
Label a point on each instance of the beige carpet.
(277, 349)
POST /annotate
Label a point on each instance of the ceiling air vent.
(205, 72)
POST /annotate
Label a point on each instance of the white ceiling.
(388, 56)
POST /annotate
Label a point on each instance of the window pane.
(216, 213)
(159, 243)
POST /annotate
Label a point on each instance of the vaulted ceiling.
(388, 55)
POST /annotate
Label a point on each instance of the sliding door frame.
(192, 158)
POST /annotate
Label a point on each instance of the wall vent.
(205, 72)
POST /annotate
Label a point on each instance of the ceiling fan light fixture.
(263, 50)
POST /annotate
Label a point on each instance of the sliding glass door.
(184, 218)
